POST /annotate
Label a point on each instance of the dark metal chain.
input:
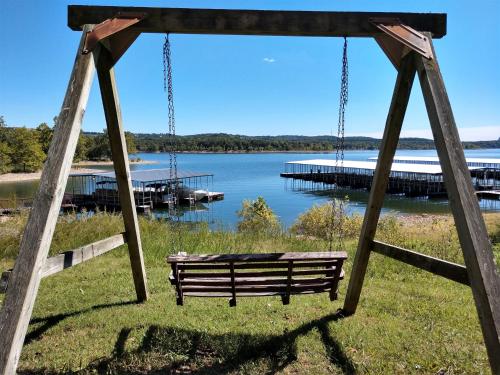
(173, 188)
(338, 209)
(168, 87)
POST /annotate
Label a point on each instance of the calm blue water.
(247, 176)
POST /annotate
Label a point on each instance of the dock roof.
(371, 165)
(151, 175)
(435, 159)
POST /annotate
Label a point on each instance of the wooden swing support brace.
(408, 49)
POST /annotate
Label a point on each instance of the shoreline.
(290, 151)
(90, 163)
(34, 176)
(75, 169)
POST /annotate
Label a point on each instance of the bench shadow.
(52, 320)
(171, 350)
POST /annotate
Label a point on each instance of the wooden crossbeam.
(255, 22)
(449, 270)
(73, 257)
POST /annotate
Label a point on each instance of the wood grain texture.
(73, 257)
(109, 95)
(388, 147)
(284, 280)
(35, 243)
(449, 270)
(255, 22)
(476, 246)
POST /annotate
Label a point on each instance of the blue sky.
(252, 85)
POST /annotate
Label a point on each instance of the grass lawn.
(86, 320)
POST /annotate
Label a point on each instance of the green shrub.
(257, 217)
(321, 221)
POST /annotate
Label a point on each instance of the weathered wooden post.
(37, 236)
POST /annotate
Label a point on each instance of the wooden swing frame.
(406, 38)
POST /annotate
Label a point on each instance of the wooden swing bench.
(256, 275)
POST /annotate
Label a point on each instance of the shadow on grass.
(52, 320)
(170, 350)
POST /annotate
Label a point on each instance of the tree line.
(239, 143)
(24, 150)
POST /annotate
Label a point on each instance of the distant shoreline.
(287, 152)
(245, 152)
(92, 163)
(34, 176)
(76, 168)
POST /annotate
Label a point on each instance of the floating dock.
(153, 188)
(410, 179)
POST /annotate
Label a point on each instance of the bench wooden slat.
(252, 294)
(221, 258)
(284, 264)
(284, 273)
(252, 281)
(246, 288)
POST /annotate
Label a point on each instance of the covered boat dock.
(434, 160)
(410, 179)
(152, 188)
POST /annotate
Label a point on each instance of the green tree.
(257, 217)
(98, 147)
(5, 160)
(81, 148)
(27, 154)
(45, 134)
(3, 130)
(130, 141)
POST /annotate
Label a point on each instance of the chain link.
(338, 209)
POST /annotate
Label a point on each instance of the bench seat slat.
(249, 294)
(250, 288)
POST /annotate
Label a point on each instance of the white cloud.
(269, 60)
(478, 133)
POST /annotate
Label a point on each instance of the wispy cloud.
(269, 60)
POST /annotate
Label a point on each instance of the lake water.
(247, 176)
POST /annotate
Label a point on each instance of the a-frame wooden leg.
(476, 247)
(105, 73)
(37, 236)
(388, 147)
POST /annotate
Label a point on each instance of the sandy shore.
(77, 168)
(18, 177)
(89, 163)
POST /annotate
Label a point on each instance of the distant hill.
(222, 142)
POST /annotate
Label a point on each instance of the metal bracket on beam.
(115, 31)
(399, 39)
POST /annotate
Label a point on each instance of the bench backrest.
(276, 274)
